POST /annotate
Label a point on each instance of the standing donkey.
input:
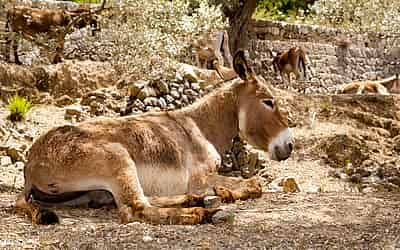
(294, 60)
(158, 166)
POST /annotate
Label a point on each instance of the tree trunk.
(239, 20)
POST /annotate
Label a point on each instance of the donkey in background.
(294, 60)
(157, 165)
(53, 23)
(383, 86)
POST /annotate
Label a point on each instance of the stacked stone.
(241, 160)
(336, 56)
(162, 95)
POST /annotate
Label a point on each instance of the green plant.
(282, 9)
(146, 39)
(18, 107)
(359, 16)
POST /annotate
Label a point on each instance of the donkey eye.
(269, 103)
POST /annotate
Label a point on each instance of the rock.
(151, 101)
(171, 106)
(175, 94)
(147, 238)
(19, 165)
(162, 103)
(185, 99)
(178, 103)
(16, 152)
(195, 87)
(212, 201)
(169, 99)
(96, 100)
(394, 180)
(22, 128)
(253, 159)
(186, 72)
(5, 161)
(96, 108)
(243, 158)
(227, 163)
(247, 171)
(334, 173)
(139, 104)
(43, 98)
(64, 100)
(73, 111)
(146, 91)
(135, 88)
(186, 85)
(148, 108)
(223, 216)
(284, 184)
(162, 86)
(190, 92)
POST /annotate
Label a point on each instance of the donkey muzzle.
(282, 146)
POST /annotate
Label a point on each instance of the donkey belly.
(163, 180)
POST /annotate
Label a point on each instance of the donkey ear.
(241, 66)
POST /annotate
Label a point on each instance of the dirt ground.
(327, 213)
(276, 221)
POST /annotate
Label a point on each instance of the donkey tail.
(27, 206)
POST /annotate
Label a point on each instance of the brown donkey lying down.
(171, 156)
(383, 87)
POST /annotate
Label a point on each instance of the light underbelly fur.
(163, 180)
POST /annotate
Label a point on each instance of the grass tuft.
(18, 107)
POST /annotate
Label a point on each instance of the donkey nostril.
(290, 145)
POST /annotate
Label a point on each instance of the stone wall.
(337, 56)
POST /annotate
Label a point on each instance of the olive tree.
(148, 38)
(239, 13)
(359, 16)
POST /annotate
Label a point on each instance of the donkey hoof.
(225, 194)
(46, 217)
(195, 200)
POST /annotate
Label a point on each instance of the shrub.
(147, 38)
(282, 9)
(18, 107)
(359, 16)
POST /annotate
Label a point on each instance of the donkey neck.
(216, 115)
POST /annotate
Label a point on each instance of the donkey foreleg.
(230, 189)
(177, 216)
(132, 203)
(188, 200)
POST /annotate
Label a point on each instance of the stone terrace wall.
(337, 56)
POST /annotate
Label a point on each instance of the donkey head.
(261, 122)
